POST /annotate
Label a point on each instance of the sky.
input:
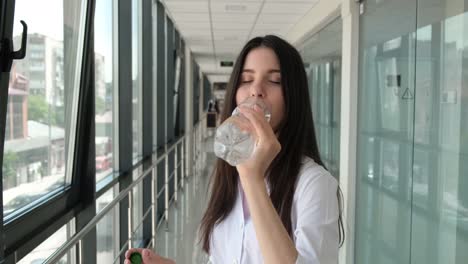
(50, 23)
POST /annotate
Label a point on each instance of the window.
(40, 116)
(48, 247)
(104, 87)
(107, 229)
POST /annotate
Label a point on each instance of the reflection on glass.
(389, 80)
(322, 57)
(390, 165)
(40, 97)
(104, 86)
(49, 246)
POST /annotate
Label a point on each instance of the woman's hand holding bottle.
(266, 148)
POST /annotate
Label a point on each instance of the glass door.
(440, 170)
(412, 206)
(385, 132)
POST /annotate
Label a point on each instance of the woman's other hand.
(266, 148)
(149, 257)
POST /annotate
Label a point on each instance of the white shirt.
(314, 217)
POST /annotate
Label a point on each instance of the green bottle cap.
(136, 258)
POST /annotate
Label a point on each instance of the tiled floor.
(180, 241)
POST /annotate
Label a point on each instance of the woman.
(282, 205)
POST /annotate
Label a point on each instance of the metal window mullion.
(6, 30)
(166, 190)
(130, 219)
(125, 110)
(147, 107)
(154, 202)
(176, 168)
(183, 164)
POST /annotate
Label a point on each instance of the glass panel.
(41, 94)
(385, 132)
(137, 209)
(154, 21)
(322, 58)
(440, 204)
(137, 127)
(104, 87)
(49, 246)
(106, 229)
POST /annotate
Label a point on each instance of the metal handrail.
(77, 238)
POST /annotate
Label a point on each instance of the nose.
(256, 90)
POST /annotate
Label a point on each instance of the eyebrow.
(270, 71)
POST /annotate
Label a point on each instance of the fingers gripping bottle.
(232, 143)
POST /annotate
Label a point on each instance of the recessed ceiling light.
(235, 8)
(230, 38)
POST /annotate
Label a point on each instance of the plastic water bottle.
(135, 258)
(233, 144)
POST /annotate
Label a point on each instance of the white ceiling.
(216, 30)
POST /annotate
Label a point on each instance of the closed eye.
(276, 82)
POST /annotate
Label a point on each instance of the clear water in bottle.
(233, 144)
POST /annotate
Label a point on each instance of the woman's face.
(261, 77)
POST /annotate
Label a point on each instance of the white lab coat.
(314, 218)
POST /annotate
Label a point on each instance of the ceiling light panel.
(293, 1)
(228, 50)
(233, 32)
(201, 48)
(187, 7)
(222, 43)
(233, 18)
(218, 78)
(286, 8)
(272, 26)
(196, 34)
(230, 26)
(235, 7)
(194, 25)
(199, 42)
(277, 18)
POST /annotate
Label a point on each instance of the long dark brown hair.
(296, 136)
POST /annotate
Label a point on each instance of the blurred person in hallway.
(281, 205)
(212, 115)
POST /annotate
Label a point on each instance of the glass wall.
(322, 58)
(48, 173)
(49, 246)
(104, 87)
(137, 97)
(107, 229)
(412, 133)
